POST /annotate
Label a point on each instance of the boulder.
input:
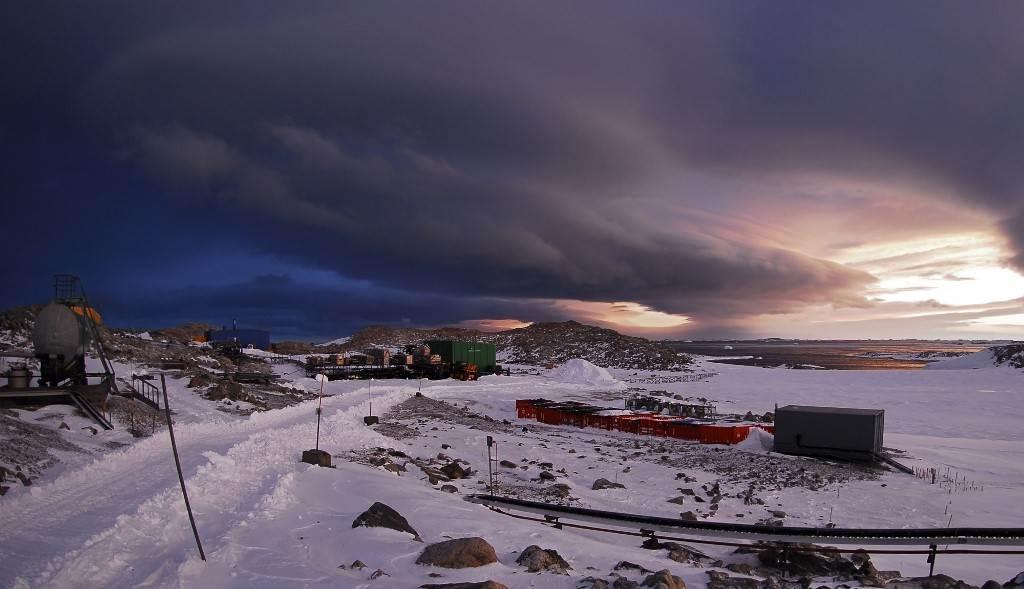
(458, 553)
(606, 484)
(537, 559)
(663, 579)
(508, 464)
(546, 476)
(454, 471)
(449, 488)
(382, 516)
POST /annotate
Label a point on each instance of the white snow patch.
(579, 371)
(339, 341)
(757, 440)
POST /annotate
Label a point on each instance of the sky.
(670, 169)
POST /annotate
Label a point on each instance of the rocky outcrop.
(458, 553)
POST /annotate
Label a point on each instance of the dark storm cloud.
(512, 151)
(294, 309)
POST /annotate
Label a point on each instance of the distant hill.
(555, 343)
(538, 344)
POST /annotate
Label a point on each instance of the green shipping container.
(479, 353)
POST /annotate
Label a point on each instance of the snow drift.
(982, 359)
(579, 371)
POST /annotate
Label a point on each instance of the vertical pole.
(319, 410)
(177, 463)
(931, 560)
(490, 468)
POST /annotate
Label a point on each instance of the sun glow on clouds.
(956, 270)
(624, 314)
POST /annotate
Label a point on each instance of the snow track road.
(232, 470)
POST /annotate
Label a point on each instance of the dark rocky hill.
(555, 343)
(538, 344)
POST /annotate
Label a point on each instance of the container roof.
(830, 410)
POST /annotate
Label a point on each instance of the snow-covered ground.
(268, 520)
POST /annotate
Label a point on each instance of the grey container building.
(831, 432)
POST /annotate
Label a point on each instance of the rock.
(445, 447)
(395, 468)
(537, 559)
(624, 583)
(678, 500)
(378, 574)
(625, 565)
(546, 476)
(663, 579)
(718, 580)
(592, 583)
(508, 464)
(316, 457)
(689, 516)
(24, 479)
(803, 562)
(740, 567)
(606, 484)
(63, 426)
(481, 585)
(449, 488)
(382, 516)
(91, 429)
(992, 585)
(778, 513)
(687, 492)
(687, 555)
(546, 465)
(458, 553)
(560, 490)
(1016, 582)
(357, 564)
(453, 471)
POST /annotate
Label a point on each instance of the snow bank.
(757, 440)
(339, 341)
(579, 371)
(982, 359)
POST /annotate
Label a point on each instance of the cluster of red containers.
(648, 424)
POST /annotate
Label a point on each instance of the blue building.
(256, 338)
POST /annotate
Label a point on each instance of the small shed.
(830, 432)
